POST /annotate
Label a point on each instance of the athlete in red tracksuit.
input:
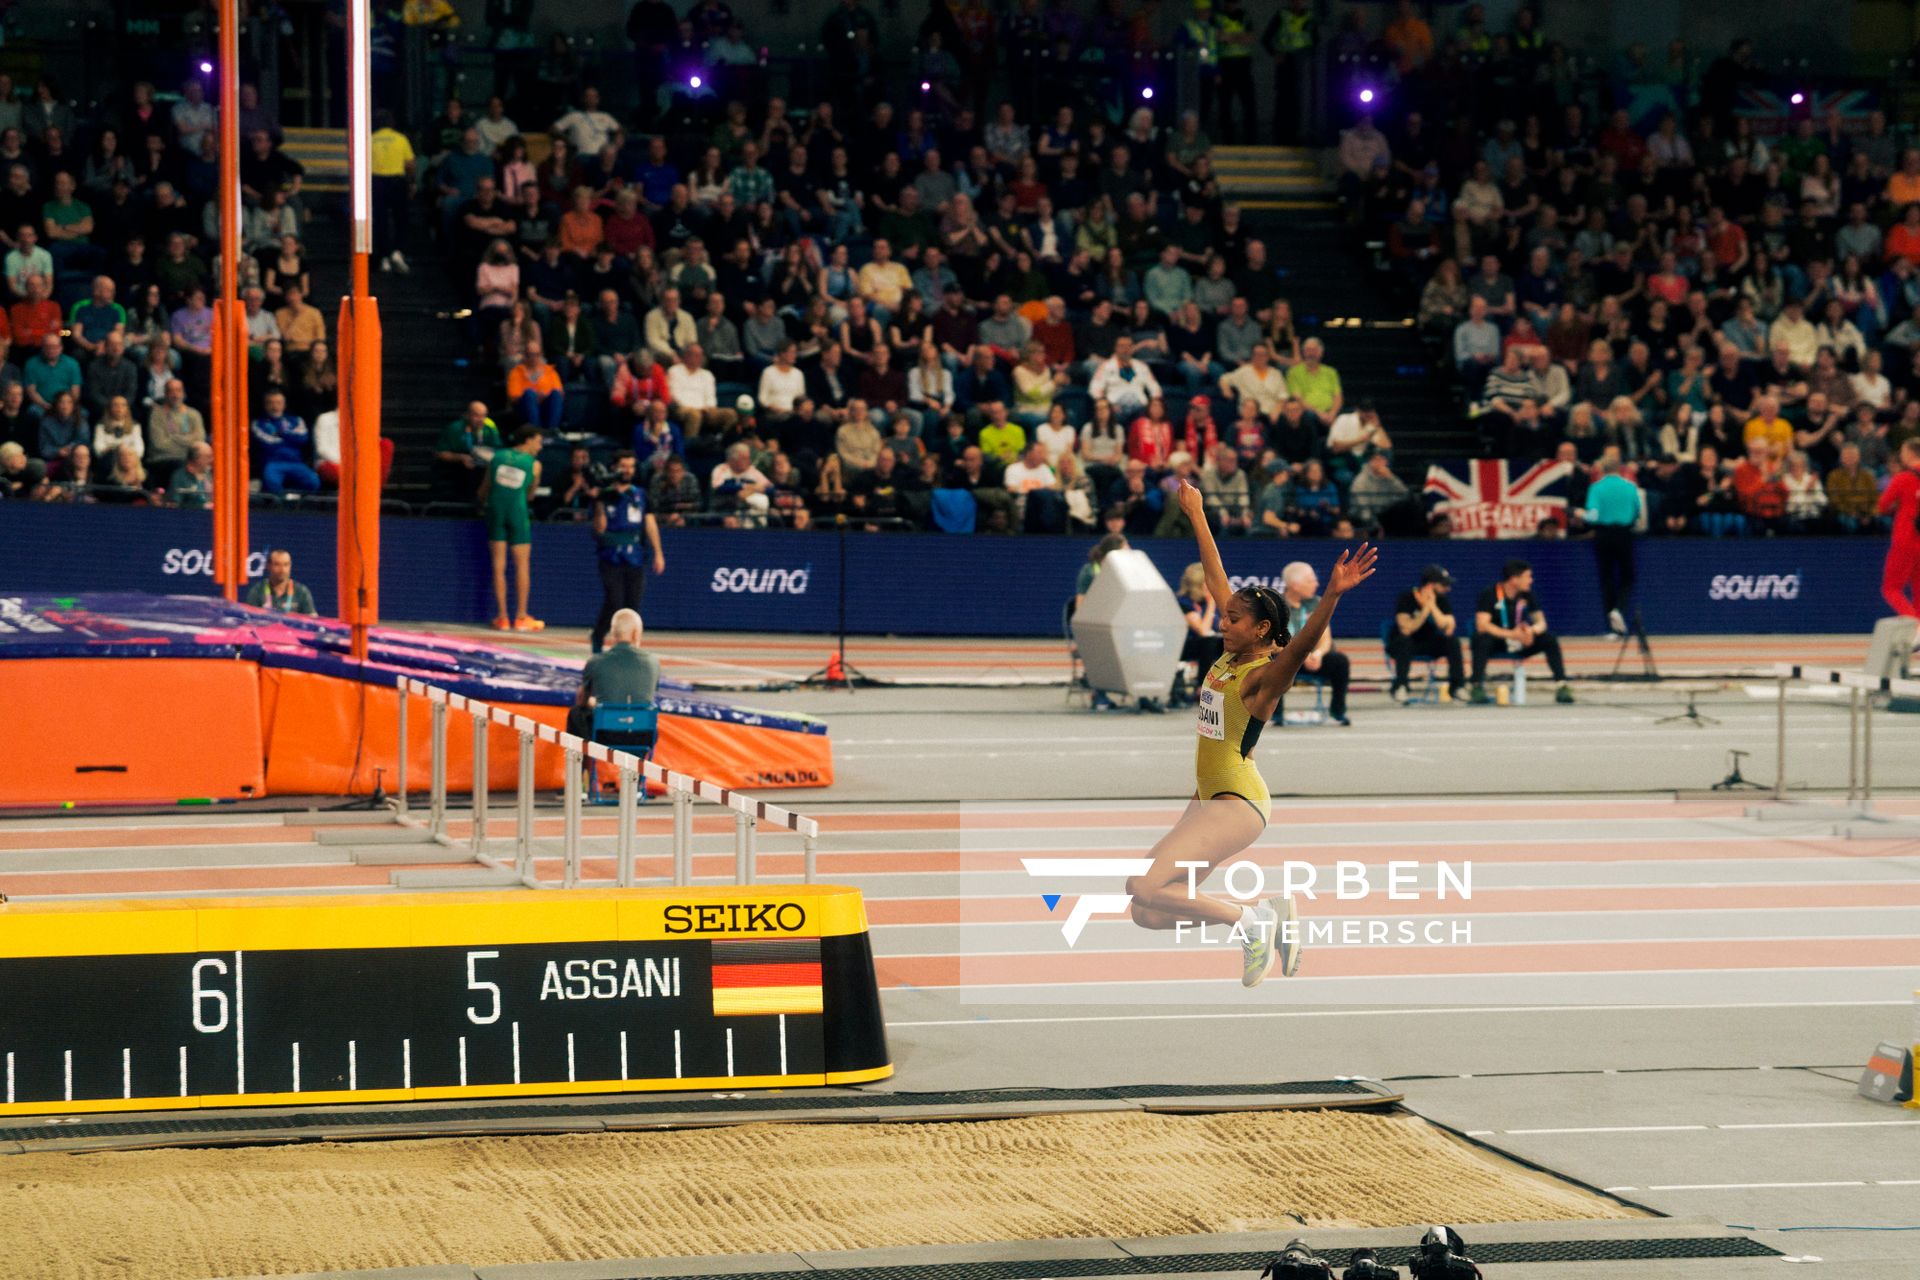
(1900, 583)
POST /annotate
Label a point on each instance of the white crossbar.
(1848, 679)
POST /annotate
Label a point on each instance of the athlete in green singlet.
(512, 476)
(1230, 805)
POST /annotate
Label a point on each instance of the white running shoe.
(1259, 951)
(1616, 623)
(1287, 938)
(400, 263)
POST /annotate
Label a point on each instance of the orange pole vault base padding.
(131, 729)
(314, 744)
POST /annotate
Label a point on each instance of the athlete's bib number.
(1213, 708)
(509, 477)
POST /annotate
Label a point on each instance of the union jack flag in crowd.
(1485, 498)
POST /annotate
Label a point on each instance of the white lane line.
(1823, 1124)
(1751, 1186)
(69, 1074)
(463, 1062)
(729, 1053)
(623, 1057)
(406, 1063)
(1402, 1013)
(183, 1071)
(353, 1066)
(1625, 1128)
(10, 1080)
(296, 1066)
(239, 1023)
(783, 1044)
(569, 1057)
(516, 1053)
(676, 1053)
(126, 1073)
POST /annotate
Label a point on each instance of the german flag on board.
(766, 977)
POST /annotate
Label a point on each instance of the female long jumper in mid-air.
(1230, 805)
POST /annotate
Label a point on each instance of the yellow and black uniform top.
(1223, 753)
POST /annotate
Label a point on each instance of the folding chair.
(632, 727)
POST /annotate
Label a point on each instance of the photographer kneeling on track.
(1508, 614)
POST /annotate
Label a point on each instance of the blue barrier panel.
(925, 584)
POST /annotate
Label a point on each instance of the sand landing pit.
(169, 1214)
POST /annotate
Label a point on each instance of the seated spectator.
(857, 442)
(1806, 496)
(880, 491)
(1853, 492)
(694, 395)
(96, 316)
(1258, 381)
(673, 495)
(1792, 333)
(1424, 628)
(35, 316)
(1476, 346)
(117, 431)
(300, 325)
(571, 344)
(1001, 438)
(1374, 490)
(884, 387)
(1508, 619)
(1224, 489)
(191, 484)
(1035, 384)
(1190, 349)
(980, 383)
(669, 328)
(1759, 487)
(173, 428)
(740, 488)
(51, 374)
(535, 391)
(283, 444)
(327, 455)
(1124, 381)
(1768, 427)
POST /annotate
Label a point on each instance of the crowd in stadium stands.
(108, 238)
(931, 317)
(1731, 317)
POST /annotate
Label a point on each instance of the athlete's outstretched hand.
(1191, 502)
(1352, 568)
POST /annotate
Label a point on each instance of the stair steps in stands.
(323, 153)
(1272, 178)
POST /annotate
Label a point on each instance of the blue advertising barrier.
(924, 584)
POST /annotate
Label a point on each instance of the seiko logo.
(761, 582)
(195, 563)
(1754, 586)
(738, 917)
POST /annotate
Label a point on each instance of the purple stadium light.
(694, 81)
(926, 86)
(1366, 97)
(206, 68)
(1146, 91)
(1797, 98)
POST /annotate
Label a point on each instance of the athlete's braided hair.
(1267, 604)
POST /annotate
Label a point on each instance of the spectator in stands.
(740, 489)
(534, 389)
(51, 374)
(65, 438)
(191, 484)
(1375, 490)
(570, 344)
(1224, 489)
(1237, 334)
(117, 431)
(1315, 383)
(35, 316)
(1853, 492)
(1760, 488)
(301, 325)
(283, 443)
(278, 591)
(174, 427)
(695, 397)
(1508, 618)
(670, 328)
(1476, 346)
(1258, 381)
(1124, 381)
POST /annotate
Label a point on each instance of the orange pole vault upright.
(357, 559)
(230, 452)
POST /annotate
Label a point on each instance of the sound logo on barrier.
(1754, 586)
(761, 582)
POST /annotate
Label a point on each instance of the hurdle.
(683, 792)
(1856, 809)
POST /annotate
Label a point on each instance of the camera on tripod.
(1442, 1255)
(1298, 1262)
(1366, 1265)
